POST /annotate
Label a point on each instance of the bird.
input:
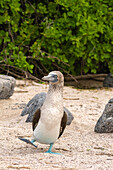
(49, 121)
(36, 102)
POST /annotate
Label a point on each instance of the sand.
(81, 147)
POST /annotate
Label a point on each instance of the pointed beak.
(48, 78)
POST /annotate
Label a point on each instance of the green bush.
(53, 33)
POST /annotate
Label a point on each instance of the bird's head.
(54, 77)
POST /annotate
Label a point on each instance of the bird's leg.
(50, 148)
(28, 141)
(33, 140)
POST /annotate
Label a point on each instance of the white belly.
(46, 135)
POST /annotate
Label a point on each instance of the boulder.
(108, 81)
(105, 122)
(7, 84)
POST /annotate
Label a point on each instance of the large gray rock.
(105, 122)
(7, 84)
(35, 103)
(108, 81)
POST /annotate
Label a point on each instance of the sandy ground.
(81, 147)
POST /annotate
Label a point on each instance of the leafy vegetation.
(74, 36)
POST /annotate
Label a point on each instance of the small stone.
(7, 84)
(105, 122)
(108, 81)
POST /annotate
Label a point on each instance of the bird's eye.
(55, 76)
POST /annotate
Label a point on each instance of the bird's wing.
(70, 117)
(36, 118)
(63, 124)
(35, 103)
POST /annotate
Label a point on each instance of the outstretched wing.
(63, 124)
(36, 118)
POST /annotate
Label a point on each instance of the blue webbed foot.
(28, 141)
(53, 153)
(50, 148)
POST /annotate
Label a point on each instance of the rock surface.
(7, 84)
(35, 103)
(105, 122)
(108, 81)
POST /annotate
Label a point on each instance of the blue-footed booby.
(50, 120)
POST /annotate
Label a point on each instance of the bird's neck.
(55, 89)
(52, 109)
(55, 93)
